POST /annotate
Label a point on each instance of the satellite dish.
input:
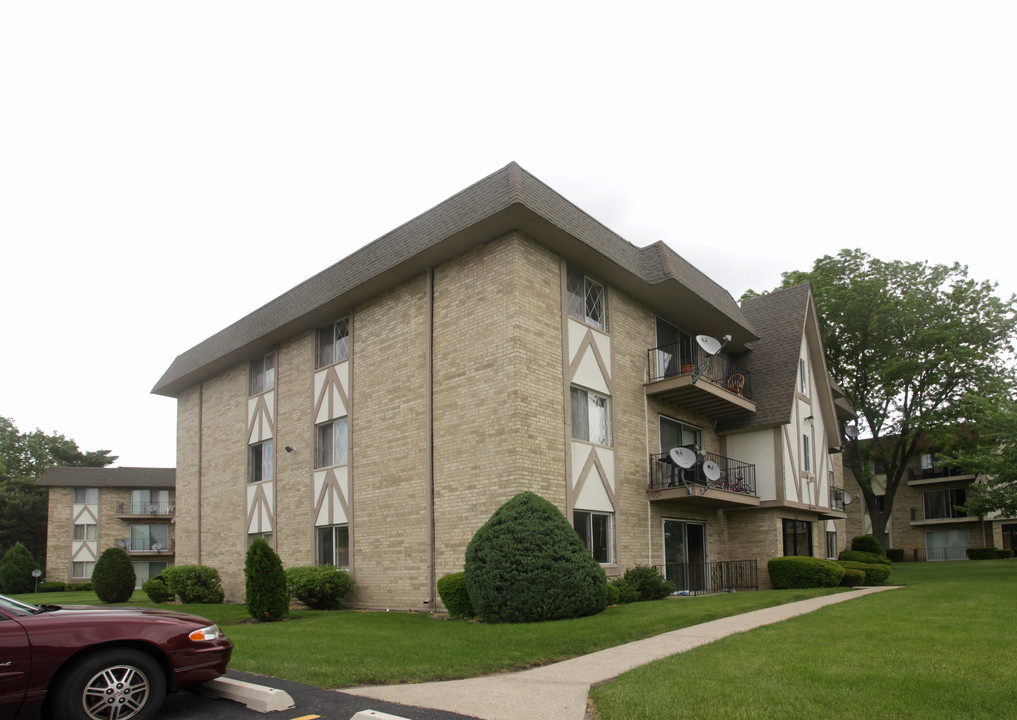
(683, 457)
(157, 547)
(848, 499)
(851, 431)
(710, 346)
(711, 470)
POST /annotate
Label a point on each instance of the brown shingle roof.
(507, 200)
(133, 477)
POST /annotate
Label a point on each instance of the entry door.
(685, 554)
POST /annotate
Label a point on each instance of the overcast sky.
(166, 168)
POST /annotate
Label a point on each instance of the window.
(941, 504)
(946, 544)
(803, 379)
(797, 537)
(586, 299)
(333, 343)
(806, 453)
(85, 532)
(594, 530)
(590, 417)
(332, 444)
(145, 538)
(251, 537)
(831, 544)
(928, 461)
(82, 569)
(675, 434)
(86, 496)
(334, 546)
(149, 502)
(145, 571)
(263, 374)
(260, 462)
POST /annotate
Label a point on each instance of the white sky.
(167, 168)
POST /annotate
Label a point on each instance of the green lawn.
(347, 647)
(941, 647)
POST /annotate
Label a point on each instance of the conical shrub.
(113, 576)
(267, 597)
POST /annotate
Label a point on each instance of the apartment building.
(374, 416)
(91, 509)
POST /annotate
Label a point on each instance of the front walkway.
(558, 691)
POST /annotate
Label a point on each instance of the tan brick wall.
(498, 402)
(59, 531)
(187, 480)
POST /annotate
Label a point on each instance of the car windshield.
(16, 607)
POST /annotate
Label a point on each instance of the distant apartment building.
(374, 416)
(91, 509)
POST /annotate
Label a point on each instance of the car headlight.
(211, 632)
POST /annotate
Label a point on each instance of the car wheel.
(112, 684)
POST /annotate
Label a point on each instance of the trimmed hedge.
(527, 564)
(801, 571)
(853, 578)
(875, 573)
(867, 543)
(113, 576)
(988, 553)
(455, 597)
(266, 595)
(864, 557)
(319, 587)
(157, 590)
(55, 587)
(194, 583)
(895, 554)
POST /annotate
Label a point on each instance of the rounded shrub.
(16, 570)
(980, 553)
(895, 554)
(319, 587)
(1002, 553)
(54, 587)
(875, 573)
(864, 557)
(867, 543)
(113, 576)
(157, 590)
(627, 592)
(454, 595)
(194, 583)
(853, 578)
(527, 564)
(267, 597)
(648, 583)
(801, 571)
(613, 594)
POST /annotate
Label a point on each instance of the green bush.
(320, 587)
(454, 595)
(16, 570)
(875, 573)
(800, 571)
(1002, 554)
(867, 543)
(627, 592)
(113, 576)
(157, 590)
(853, 578)
(613, 594)
(979, 553)
(527, 564)
(194, 583)
(895, 554)
(864, 557)
(78, 587)
(647, 582)
(267, 596)
(55, 587)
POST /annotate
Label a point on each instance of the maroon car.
(94, 663)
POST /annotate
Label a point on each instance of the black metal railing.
(936, 471)
(677, 359)
(945, 553)
(937, 513)
(712, 577)
(837, 499)
(145, 508)
(735, 476)
(145, 545)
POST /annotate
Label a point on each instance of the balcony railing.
(145, 508)
(936, 471)
(712, 577)
(735, 476)
(837, 499)
(677, 359)
(939, 513)
(145, 545)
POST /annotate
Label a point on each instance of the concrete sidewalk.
(558, 691)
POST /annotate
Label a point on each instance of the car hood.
(86, 611)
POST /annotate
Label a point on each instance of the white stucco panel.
(259, 507)
(582, 453)
(328, 497)
(590, 375)
(757, 448)
(593, 496)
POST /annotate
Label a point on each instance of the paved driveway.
(310, 701)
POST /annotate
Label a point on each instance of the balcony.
(937, 474)
(145, 546)
(712, 577)
(942, 516)
(838, 508)
(736, 486)
(723, 390)
(145, 509)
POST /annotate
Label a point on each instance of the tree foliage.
(906, 341)
(267, 597)
(16, 570)
(991, 453)
(23, 458)
(113, 576)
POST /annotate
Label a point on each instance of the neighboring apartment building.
(374, 416)
(925, 522)
(92, 509)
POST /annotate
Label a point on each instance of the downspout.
(201, 407)
(429, 412)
